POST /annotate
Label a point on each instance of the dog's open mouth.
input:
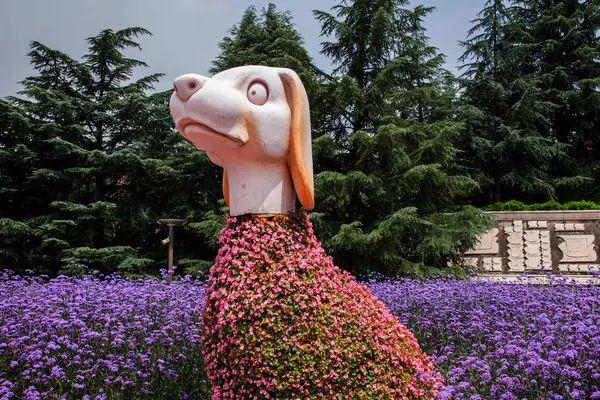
(188, 127)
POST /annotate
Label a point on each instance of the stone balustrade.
(555, 241)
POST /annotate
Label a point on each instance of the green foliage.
(210, 224)
(18, 243)
(89, 159)
(581, 205)
(560, 42)
(506, 114)
(514, 205)
(123, 259)
(266, 39)
(388, 169)
(89, 162)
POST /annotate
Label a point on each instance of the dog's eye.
(258, 93)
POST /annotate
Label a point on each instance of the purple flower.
(492, 341)
(504, 341)
(75, 332)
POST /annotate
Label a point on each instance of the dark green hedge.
(514, 205)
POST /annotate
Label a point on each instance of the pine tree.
(563, 37)
(268, 38)
(85, 116)
(560, 40)
(505, 113)
(19, 197)
(386, 171)
(102, 162)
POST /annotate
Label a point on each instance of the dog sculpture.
(280, 320)
(254, 122)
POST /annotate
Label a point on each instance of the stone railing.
(556, 241)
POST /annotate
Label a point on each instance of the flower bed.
(118, 338)
(100, 338)
(503, 341)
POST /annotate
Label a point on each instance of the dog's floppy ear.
(225, 187)
(300, 153)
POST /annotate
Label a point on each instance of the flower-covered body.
(281, 322)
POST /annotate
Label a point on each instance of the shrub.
(514, 205)
(281, 321)
(582, 205)
(547, 206)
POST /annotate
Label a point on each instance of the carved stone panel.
(516, 264)
(470, 261)
(537, 224)
(488, 243)
(578, 268)
(545, 249)
(515, 247)
(561, 241)
(537, 248)
(569, 227)
(492, 264)
(577, 248)
(533, 256)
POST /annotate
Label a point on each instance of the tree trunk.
(497, 193)
(497, 184)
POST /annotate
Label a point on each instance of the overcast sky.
(185, 32)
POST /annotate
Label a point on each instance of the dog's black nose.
(186, 85)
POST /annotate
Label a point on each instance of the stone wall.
(557, 241)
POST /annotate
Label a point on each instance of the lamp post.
(171, 239)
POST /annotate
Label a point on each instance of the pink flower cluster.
(281, 322)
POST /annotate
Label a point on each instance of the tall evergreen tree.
(386, 169)
(509, 152)
(561, 41)
(81, 163)
(563, 37)
(19, 156)
(265, 38)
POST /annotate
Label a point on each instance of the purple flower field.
(109, 337)
(100, 339)
(505, 341)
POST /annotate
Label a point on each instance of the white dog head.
(253, 121)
